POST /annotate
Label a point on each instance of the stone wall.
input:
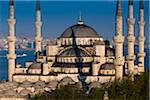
(13, 98)
(35, 78)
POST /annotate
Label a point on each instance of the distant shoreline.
(18, 49)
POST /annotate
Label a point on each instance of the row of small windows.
(79, 41)
(69, 70)
(107, 72)
(73, 60)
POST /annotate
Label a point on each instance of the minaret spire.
(141, 5)
(141, 37)
(11, 2)
(38, 5)
(130, 40)
(80, 18)
(38, 24)
(130, 2)
(11, 42)
(118, 10)
(118, 41)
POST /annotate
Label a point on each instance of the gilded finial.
(80, 18)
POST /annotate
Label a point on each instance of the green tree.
(64, 92)
(117, 90)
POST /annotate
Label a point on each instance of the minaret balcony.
(141, 38)
(38, 24)
(141, 23)
(11, 56)
(130, 21)
(130, 38)
(140, 68)
(38, 39)
(11, 38)
(11, 21)
(119, 61)
(119, 39)
(131, 58)
(141, 54)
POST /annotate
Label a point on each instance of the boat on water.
(22, 55)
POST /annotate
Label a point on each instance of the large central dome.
(80, 31)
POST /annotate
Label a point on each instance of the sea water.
(22, 57)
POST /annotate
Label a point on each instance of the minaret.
(141, 37)
(118, 41)
(130, 39)
(11, 42)
(38, 24)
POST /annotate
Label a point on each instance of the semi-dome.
(73, 52)
(79, 31)
(35, 65)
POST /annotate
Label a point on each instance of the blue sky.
(59, 15)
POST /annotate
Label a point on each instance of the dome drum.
(74, 59)
(107, 69)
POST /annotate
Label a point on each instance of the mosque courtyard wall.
(59, 77)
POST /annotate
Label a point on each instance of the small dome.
(10, 92)
(26, 84)
(25, 92)
(35, 65)
(95, 84)
(72, 53)
(80, 31)
(39, 85)
(8, 85)
(66, 80)
(107, 66)
(52, 84)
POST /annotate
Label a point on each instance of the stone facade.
(119, 40)
(11, 44)
(141, 38)
(38, 25)
(79, 53)
(130, 39)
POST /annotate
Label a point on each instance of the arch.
(67, 79)
(70, 47)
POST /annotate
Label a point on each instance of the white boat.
(22, 55)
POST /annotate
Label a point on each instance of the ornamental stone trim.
(11, 21)
(118, 39)
(119, 61)
(131, 57)
(11, 38)
(141, 54)
(11, 56)
(130, 21)
(141, 38)
(130, 38)
(141, 23)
